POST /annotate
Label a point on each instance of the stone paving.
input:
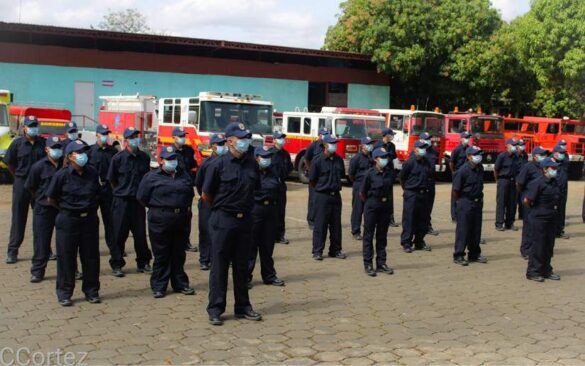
(429, 312)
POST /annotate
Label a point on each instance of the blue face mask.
(560, 157)
(332, 148)
(32, 131)
(134, 142)
(104, 139)
(55, 154)
(180, 141)
(476, 159)
(221, 149)
(422, 152)
(521, 148)
(551, 173)
(369, 147)
(464, 141)
(540, 158)
(72, 136)
(170, 165)
(242, 145)
(279, 142)
(81, 159)
(382, 163)
(264, 163)
(512, 148)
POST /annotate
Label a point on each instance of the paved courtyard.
(429, 312)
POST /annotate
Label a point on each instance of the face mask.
(55, 154)
(32, 131)
(521, 147)
(81, 159)
(332, 148)
(242, 145)
(512, 148)
(280, 142)
(369, 147)
(464, 141)
(422, 152)
(72, 136)
(220, 150)
(551, 173)
(104, 139)
(134, 142)
(539, 158)
(563, 147)
(264, 163)
(170, 165)
(476, 159)
(382, 163)
(560, 157)
(180, 141)
(428, 142)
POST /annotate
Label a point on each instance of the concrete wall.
(368, 96)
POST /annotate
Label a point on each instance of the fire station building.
(72, 68)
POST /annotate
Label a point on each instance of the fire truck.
(408, 124)
(487, 132)
(211, 112)
(6, 136)
(52, 121)
(347, 125)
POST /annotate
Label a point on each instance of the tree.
(127, 21)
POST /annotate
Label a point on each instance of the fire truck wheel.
(301, 172)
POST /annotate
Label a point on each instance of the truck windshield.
(356, 128)
(431, 123)
(215, 116)
(486, 126)
(3, 115)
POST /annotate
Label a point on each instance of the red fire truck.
(301, 128)
(408, 124)
(487, 132)
(52, 121)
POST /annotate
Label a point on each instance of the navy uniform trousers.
(357, 209)
(430, 202)
(311, 206)
(560, 228)
(129, 215)
(204, 234)
(167, 231)
(21, 201)
(281, 212)
(43, 226)
(543, 224)
(377, 216)
(77, 231)
(327, 208)
(468, 230)
(526, 244)
(505, 202)
(105, 205)
(263, 229)
(231, 238)
(414, 214)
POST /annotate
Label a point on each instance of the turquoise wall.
(54, 85)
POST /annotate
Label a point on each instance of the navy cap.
(130, 131)
(238, 130)
(366, 140)
(31, 121)
(562, 142)
(465, 135)
(278, 135)
(380, 152)
(74, 146)
(102, 129)
(559, 148)
(425, 136)
(420, 143)
(521, 142)
(168, 152)
(511, 142)
(71, 127)
(53, 141)
(539, 150)
(217, 138)
(179, 131)
(324, 131)
(473, 150)
(549, 163)
(263, 151)
(329, 139)
(387, 131)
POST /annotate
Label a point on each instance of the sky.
(294, 23)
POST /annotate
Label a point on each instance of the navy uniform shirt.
(21, 154)
(281, 164)
(378, 184)
(545, 195)
(73, 191)
(528, 173)
(232, 182)
(522, 161)
(160, 189)
(269, 184)
(390, 147)
(200, 176)
(126, 171)
(327, 172)
(416, 173)
(458, 156)
(432, 156)
(469, 181)
(186, 159)
(506, 165)
(565, 163)
(562, 179)
(100, 159)
(314, 150)
(39, 178)
(358, 167)
(66, 141)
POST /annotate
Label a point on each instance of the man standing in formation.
(432, 156)
(72, 134)
(457, 160)
(505, 171)
(314, 150)
(283, 166)
(388, 145)
(358, 167)
(560, 156)
(522, 161)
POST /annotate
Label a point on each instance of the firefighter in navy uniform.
(432, 156)
(283, 166)
(561, 157)
(358, 167)
(505, 171)
(388, 145)
(543, 195)
(218, 148)
(468, 190)
(44, 215)
(414, 179)
(314, 150)
(325, 177)
(228, 189)
(529, 172)
(522, 161)
(71, 134)
(168, 194)
(22, 153)
(376, 193)
(264, 216)
(127, 169)
(457, 160)
(74, 191)
(100, 156)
